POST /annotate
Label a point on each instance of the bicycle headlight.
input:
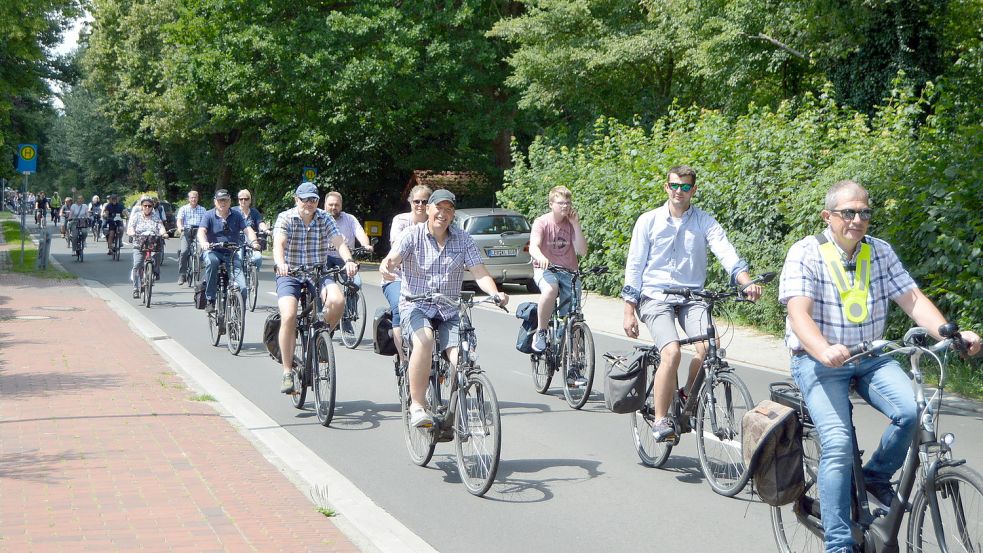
(722, 353)
(948, 439)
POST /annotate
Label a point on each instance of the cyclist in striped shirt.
(190, 215)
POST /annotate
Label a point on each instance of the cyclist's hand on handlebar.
(972, 342)
(834, 355)
(502, 299)
(281, 269)
(351, 268)
(753, 292)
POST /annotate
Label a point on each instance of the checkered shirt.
(190, 217)
(427, 268)
(805, 274)
(346, 224)
(305, 245)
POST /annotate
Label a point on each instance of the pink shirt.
(555, 241)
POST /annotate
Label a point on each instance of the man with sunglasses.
(669, 249)
(301, 237)
(837, 286)
(253, 218)
(221, 224)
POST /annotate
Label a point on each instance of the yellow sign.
(27, 152)
(373, 228)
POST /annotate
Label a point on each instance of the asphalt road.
(568, 480)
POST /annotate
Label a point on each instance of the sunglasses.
(681, 185)
(420, 202)
(309, 200)
(849, 214)
(244, 199)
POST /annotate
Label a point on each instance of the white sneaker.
(539, 342)
(419, 418)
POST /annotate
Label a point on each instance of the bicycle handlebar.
(596, 270)
(914, 341)
(456, 300)
(713, 296)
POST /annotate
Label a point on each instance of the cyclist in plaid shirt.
(190, 215)
(434, 256)
(301, 237)
(824, 320)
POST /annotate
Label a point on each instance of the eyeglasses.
(420, 202)
(849, 214)
(147, 205)
(244, 199)
(309, 200)
(562, 203)
(684, 186)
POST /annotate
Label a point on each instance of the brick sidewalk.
(103, 449)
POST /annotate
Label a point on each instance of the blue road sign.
(27, 158)
(309, 174)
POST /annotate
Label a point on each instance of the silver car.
(502, 237)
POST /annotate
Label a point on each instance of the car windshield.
(497, 224)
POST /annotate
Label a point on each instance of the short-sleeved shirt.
(42, 203)
(227, 230)
(78, 211)
(111, 210)
(253, 218)
(428, 268)
(95, 208)
(555, 241)
(188, 216)
(140, 224)
(307, 245)
(805, 274)
(346, 224)
(400, 223)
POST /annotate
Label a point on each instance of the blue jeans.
(256, 258)
(884, 385)
(333, 262)
(391, 291)
(561, 281)
(212, 259)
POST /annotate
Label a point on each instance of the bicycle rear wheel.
(148, 282)
(959, 492)
(652, 453)
(300, 370)
(235, 321)
(478, 430)
(253, 286)
(797, 527)
(723, 401)
(194, 267)
(325, 383)
(215, 321)
(579, 362)
(420, 442)
(353, 321)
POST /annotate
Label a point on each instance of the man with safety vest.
(836, 286)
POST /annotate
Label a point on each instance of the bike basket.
(150, 243)
(625, 381)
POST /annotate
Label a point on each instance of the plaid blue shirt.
(428, 268)
(805, 274)
(305, 245)
(190, 217)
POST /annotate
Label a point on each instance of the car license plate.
(493, 252)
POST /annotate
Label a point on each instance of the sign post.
(27, 163)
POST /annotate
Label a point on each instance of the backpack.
(200, 300)
(527, 312)
(625, 381)
(771, 436)
(271, 335)
(382, 332)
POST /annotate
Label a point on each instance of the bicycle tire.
(353, 321)
(324, 378)
(478, 434)
(652, 453)
(235, 321)
(194, 267)
(299, 371)
(580, 358)
(148, 282)
(420, 442)
(960, 495)
(718, 433)
(797, 527)
(253, 286)
(543, 367)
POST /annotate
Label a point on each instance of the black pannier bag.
(625, 381)
(527, 312)
(382, 332)
(271, 335)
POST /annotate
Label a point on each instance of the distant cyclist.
(140, 224)
(350, 229)
(189, 216)
(55, 203)
(95, 214)
(253, 218)
(41, 206)
(223, 225)
(113, 227)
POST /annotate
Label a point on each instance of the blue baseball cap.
(307, 190)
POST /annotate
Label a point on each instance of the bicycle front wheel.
(253, 286)
(353, 321)
(324, 380)
(723, 401)
(579, 366)
(651, 452)
(420, 442)
(235, 321)
(797, 527)
(478, 430)
(959, 491)
(542, 372)
(194, 268)
(148, 282)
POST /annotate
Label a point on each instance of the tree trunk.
(221, 143)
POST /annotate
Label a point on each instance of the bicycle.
(39, 218)
(933, 485)
(569, 346)
(194, 258)
(229, 315)
(150, 245)
(96, 224)
(313, 356)
(252, 271)
(353, 320)
(712, 407)
(463, 404)
(77, 235)
(114, 235)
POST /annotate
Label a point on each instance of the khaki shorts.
(660, 318)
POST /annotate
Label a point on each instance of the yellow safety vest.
(853, 298)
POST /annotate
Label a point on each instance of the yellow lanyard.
(853, 298)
